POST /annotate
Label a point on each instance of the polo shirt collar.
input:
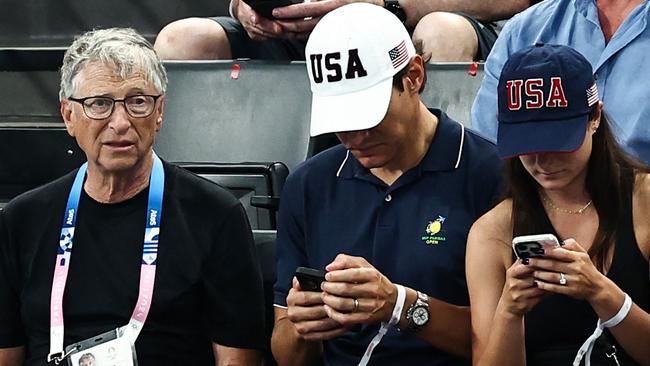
(444, 152)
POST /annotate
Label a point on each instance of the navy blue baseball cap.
(545, 95)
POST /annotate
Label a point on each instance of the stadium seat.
(256, 185)
(256, 111)
(214, 113)
(34, 156)
(261, 115)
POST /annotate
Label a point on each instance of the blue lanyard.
(154, 209)
(149, 255)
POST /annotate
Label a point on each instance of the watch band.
(394, 7)
(420, 305)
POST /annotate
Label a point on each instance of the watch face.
(420, 315)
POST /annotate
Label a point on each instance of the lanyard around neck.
(147, 268)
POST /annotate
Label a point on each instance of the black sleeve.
(12, 333)
(233, 283)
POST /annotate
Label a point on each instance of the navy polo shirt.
(413, 231)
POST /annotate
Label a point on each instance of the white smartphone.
(532, 246)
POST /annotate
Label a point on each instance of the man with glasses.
(150, 263)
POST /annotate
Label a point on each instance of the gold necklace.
(573, 212)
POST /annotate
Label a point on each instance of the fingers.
(325, 335)
(551, 277)
(520, 284)
(573, 245)
(344, 261)
(260, 29)
(550, 264)
(300, 26)
(314, 324)
(306, 313)
(257, 27)
(305, 10)
(346, 304)
(352, 274)
(347, 318)
(519, 270)
(296, 297)
(555, 287)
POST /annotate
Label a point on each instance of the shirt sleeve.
(233, 283)
(291, 252)
(12, 333)
(484, 109)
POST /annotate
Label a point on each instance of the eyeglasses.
(137, 106)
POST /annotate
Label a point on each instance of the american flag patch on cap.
(398, 55)
(592, 95)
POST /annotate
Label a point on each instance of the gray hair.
(122, 48)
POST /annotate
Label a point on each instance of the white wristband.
(399, 306)
(588, 346)
(394, 320)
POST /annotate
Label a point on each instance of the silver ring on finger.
(562, 279)
(356, 305)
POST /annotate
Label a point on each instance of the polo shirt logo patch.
(433, 229)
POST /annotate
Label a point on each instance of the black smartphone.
(309, 278)
(265, 7)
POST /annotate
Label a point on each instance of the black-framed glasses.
(137, 106)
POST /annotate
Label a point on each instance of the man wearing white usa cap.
(385, 214)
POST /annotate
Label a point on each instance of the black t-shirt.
(208, 286)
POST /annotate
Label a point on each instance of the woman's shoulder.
(492, 232)
(496, 221)
(642, 183)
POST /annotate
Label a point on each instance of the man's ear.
(414, 77)
(160, 109)
(66, 113)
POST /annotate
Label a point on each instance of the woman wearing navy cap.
(588, 300)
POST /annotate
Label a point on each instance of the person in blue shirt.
(613, 35)
(385, 214)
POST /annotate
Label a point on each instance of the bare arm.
(500, 292)
(449, 326)
(485, 10)
(228, 356)
(633, 333)
(289, 348)
(12, 356)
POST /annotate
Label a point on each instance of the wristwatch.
(394, 7)
(417, 315)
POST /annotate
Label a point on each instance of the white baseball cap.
(352, 55)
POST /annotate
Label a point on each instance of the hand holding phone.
(265, 7)
(533, 246)
(309, 278)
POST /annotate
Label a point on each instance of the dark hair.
(610, 180)
(397, 78)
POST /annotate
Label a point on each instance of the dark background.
(53, 23)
